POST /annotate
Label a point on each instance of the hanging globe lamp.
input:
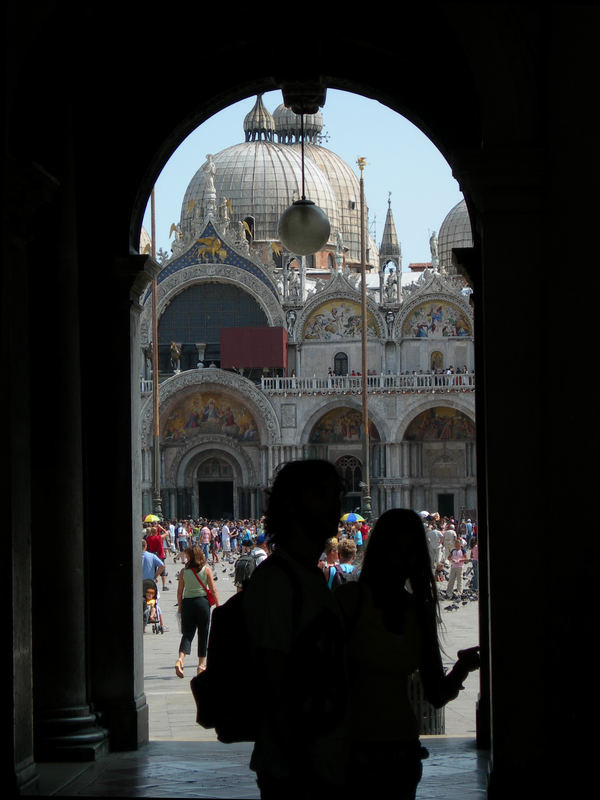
(304, 228)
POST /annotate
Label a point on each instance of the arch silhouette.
(84, 144)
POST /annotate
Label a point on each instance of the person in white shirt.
(225, 542)
(449, 539)
(434, 544)
(261, 549)
(171, 538)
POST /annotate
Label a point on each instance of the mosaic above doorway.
(436, 320)
(209, 412)
(341, 425)
(338, 319)
(440, 423)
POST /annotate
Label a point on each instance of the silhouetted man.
(296, 635)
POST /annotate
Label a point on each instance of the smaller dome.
(145, 242)
(288, 126)
(259, 123)
(455, 231)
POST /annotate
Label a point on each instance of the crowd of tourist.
(358, 555)
(219, 538)
(452, 544)
(199, 544)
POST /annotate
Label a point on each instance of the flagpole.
(156, 495)
(366, 477)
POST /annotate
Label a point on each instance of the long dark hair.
(396, 552)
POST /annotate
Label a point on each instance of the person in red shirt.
(154, 540)
(364, 530)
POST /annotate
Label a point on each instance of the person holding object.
(392, 631)
(195, 590)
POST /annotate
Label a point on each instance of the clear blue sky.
(400, 159)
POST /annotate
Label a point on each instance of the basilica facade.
(260, 351)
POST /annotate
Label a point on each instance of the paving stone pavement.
(183, 760)
(172, 710)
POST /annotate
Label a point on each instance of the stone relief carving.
(291, 322)
(390, 288)
(288, 415)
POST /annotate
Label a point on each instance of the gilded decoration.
(206, 412)
(338, 319)
(341, 425)
(436, 319)
(440, 424)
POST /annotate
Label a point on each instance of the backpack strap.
(333, 570)
(199, 581)
(209, 595)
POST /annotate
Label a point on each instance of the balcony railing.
(344, 384)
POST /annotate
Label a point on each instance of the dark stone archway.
(94, 106)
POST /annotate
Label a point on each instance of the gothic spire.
(389, 250)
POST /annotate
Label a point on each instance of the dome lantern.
(258, 123)
(288, 125)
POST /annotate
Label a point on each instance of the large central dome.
(261, 178)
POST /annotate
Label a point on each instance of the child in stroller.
(152, 613)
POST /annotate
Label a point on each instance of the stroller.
(152, 612)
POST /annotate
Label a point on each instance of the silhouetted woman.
(392, 618)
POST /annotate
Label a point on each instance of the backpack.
(234, 718)
(227, 644)
(340, 577)
(237, 718)
(244, 567)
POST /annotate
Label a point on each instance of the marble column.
(65, 726)
(22, 186)
(116, 650)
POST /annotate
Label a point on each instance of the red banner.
(253, 347)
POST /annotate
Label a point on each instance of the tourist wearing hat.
(260, 551)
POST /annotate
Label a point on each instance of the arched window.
(340, 364)
(351, 470)
(436, 360)
(198, 314)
